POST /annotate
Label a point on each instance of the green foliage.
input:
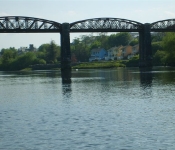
(7, 58)
(133, 62)
(49, 52)
(8, 49)
(157, 37)
(169, 42)
(119, 39)
(24, 61)
(40, 61)
(134, 42)
(102, 39)
(43, 47)
(160, 58)
(95, 44)
(8, 55)
(26, 69)
(163, 48)
(52, 53)
(11, 61)
(93, 65)
(156, 46)
(81, 47)
(41, 55)
(169, 48)
(136, 57)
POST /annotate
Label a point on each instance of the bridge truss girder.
(163, 26)
(20, 24)
(105, 25)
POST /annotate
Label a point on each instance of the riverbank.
(95, 65)
(84, 65)
(107, 64)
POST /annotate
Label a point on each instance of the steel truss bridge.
(21, 24)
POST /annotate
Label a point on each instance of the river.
(103, 109)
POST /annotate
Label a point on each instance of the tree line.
(163, 47)
(46, 54)
(81, 47)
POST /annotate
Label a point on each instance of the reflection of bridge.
(18, 24)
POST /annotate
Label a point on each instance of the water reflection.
(121, 108)
(66, 76)
(66, 88)
(146, 77)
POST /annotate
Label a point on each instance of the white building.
(114, 53)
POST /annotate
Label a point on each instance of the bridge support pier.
(65, 53)
(145, 50)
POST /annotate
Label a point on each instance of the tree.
(134, 42)
(49, 52)
(8, 57)
(160, 58)
(80, 47)
(119, 39)
(43, 47)
(95, 44)
(156, 46)
(52, 52)
(169, 47)
(24, 61)
(157, 37)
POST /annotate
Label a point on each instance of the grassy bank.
(87, 65)
(94, 65)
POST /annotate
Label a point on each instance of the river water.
(122, 109)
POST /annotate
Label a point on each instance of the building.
(26, 49)
(114, 53)
(126, 50)
(135, 51)
(22, 50)
(31, 48)
(98, 54)
(122, 52)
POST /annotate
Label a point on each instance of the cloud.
(71, 13)
(138, 11)
(4, 14)
(70, 16)
(171, 14)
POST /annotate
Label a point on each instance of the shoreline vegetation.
(96, 65)
(87, 65)
(48, 56)
(108, 64)
(133, 62)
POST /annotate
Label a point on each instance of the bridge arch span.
(167, 25)
(105, 25)
(22, 24)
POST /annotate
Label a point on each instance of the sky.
(144, 11)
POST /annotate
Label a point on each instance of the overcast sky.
(144, 11)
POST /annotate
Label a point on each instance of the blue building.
(98, 54)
